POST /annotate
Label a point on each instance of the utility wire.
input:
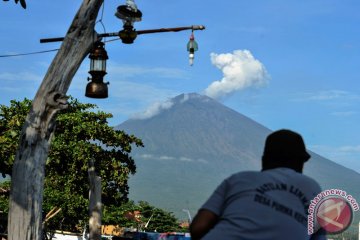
(53, 50)
(46, 51)
(31, 53)
(101, 18)
(116, 39)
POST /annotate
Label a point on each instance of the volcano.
(192, 142)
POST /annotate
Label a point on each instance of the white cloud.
(171, 158)
(336, 150)
(126, 71)
(153, 110)
(185, 159)
(20, 76)
(344, 113)
(338, 103)
(136, 91)
(128, 97)
(240, 70)
(166, 158)
(328, 95)
(347, 156)
(350, 149)
(125, 98)
(18, 85)
(200, 160)
(146, 156)
(186, 97)
(254, 30)
(14, 90)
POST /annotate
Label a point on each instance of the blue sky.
(284, 63)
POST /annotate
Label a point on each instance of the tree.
(151, 218)
(80, 135)
(4, 205)
(157, 219)
(4, 197)
(28, 173)
(11, 120)
(116, 215)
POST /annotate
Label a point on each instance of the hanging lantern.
(97, 88)
(192, 46)
(129, 14)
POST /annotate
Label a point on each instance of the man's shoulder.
(308, 181)
(244, 176)
(277, 173)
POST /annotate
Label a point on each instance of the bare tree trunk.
(25, 214)
(94, 204)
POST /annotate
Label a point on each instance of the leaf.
(13, 133)
(23, 3)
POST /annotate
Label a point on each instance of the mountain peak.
(191, 96)
(160, 107)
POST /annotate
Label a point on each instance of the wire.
(116, 39)
(31, 53)
(53, 50)
(101, 18)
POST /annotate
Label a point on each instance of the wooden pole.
(27, 182)
(94, 203)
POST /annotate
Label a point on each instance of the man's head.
(284, 148)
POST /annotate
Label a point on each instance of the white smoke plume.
(153, 110)
(240, 70)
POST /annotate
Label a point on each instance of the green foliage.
(115, 215)
(11, 121)
(80, 135)
(4, 205)
(157, 219)
(4, 197)
(161, 221)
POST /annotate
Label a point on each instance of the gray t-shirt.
(262, 205)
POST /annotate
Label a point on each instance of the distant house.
(113, 230)
(184, 224)
(134, 215)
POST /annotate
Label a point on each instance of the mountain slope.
(191, 146)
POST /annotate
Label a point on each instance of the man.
(271, 204)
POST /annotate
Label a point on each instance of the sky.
(283, 63)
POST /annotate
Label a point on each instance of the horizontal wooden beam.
(116, 34)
